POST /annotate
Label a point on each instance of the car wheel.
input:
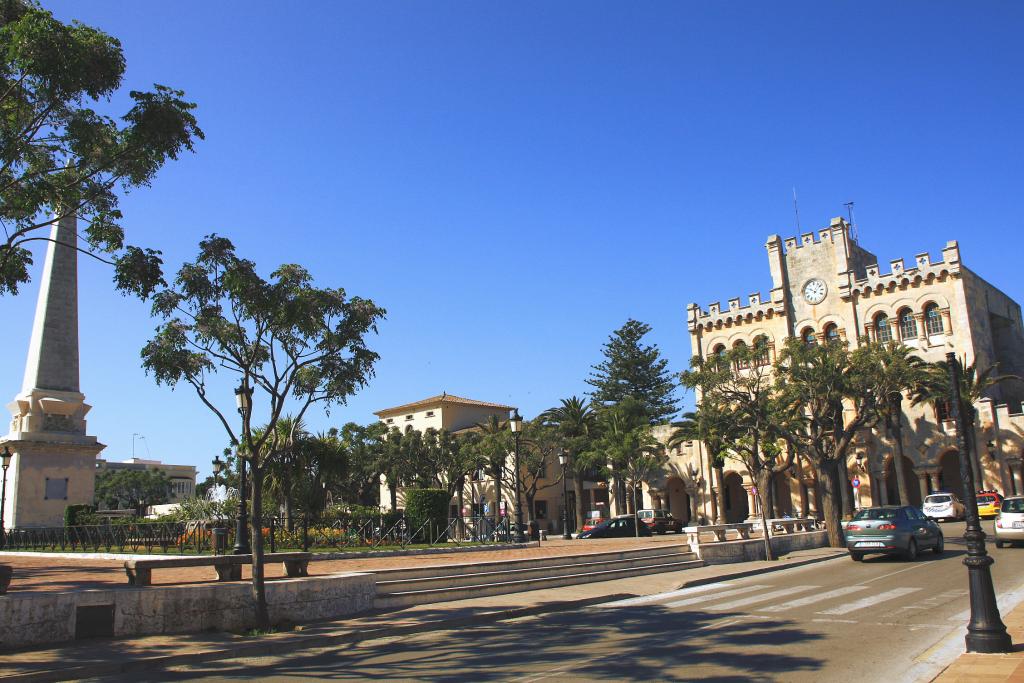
(912, 551)
(940, 545)
(856, 557)
(999, 543)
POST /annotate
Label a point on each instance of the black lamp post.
(218, 465)
(563, 461)
(516, 424)
(985, 631)
(5, 458)
(243, 399)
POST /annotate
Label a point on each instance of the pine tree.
(633, 370)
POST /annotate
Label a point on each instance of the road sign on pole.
(856, 482)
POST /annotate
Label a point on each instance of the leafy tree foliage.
(711, 425)
(633, 370)
(577, 424)
(60, 157)
(133, 489)
(289, 343)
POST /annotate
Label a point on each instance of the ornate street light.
(5, 462)
(218, 465)
(243, 399)
(985, 631)
(516, 424)
(563, 461)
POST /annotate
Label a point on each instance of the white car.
(943, 506)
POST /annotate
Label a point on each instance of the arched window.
(761, 346)
(883, 333)
(908, 326)
(831, 333)
(719, 351)
(808, 336)
(933, 319)
(741, 363)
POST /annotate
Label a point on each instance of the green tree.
(933, 387)
(290, 343)
(60, 157)
(832, 390)
(633, 370)
(133, 489)
(494, 447)
(541, 443)
(709, 425)
(893, 370)
(365, 448)
(738, 387)
(575, 419)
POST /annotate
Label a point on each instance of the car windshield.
(1013, 505)
(987, 499)
(937, 499)
(877, 513)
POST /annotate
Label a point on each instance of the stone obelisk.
(54, 462)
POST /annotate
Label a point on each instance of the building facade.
(183, 477)
(825, 286)
(457, 414)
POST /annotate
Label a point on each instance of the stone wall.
(747, 551)
(36, 619)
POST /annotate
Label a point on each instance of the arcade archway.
(892, 488)
(949, 474)
(736, 508)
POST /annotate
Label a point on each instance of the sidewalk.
(106, 657)
(976, 668)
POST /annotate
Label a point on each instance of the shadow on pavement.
(634, 643)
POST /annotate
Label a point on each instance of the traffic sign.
(855, 482)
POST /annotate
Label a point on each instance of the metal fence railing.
(197, 537)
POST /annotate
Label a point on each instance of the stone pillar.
(922, 334)
(714, 503)
(934, 477)
(923, 480)
(694, 506)
(752, 510)
(1016, 473)
(947, 323)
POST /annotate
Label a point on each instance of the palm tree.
(284, 473)
(975, 385)
(494, 448)
(893, 369)
(575, 419)
(708, 425)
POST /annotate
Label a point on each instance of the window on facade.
(408, 417)
(408, 428)
(808, 336)
(933, 319)
(719, 351)
(740, 347)
(883, 333)
(391, 420)
(430, 413)
(942, 411)
(908, 326)
(540, 509)
(831, 333)
(761, 346)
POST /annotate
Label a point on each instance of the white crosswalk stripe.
(706, 598)
(657, 597)
(763, 597)
(870, 601)
(811, 599)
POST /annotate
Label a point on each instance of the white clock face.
(814, 291)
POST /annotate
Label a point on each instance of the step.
(407, 598)
(524, 563)
(500, 574)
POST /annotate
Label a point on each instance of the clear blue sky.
(512, 182)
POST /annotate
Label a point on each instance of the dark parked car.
(892, 530)
(623, 526)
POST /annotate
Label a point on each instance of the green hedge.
(423, 505)
(73, 512)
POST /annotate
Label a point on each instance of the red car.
(592, 522)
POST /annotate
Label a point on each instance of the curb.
(760, 570)
(288, 643)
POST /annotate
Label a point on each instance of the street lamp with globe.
(516, 424)
(563, 461)
(5, 457)
(243, 400)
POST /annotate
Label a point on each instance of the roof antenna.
(853, 226)
(796, 210)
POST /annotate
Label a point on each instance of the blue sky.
(512, 182)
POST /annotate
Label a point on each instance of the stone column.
(947, 323)
(922, 334)
(923, 479)
(751, 501)
(1016, 473)
(934, 477)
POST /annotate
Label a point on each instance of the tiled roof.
(439, 400)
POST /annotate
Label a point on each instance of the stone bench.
(720, 531)
(228, 567)
(789, 525)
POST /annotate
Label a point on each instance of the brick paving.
(51, 573)
(976, 668)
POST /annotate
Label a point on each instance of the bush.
(72, 513)
(427, 505)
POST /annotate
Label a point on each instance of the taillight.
(852, 527)
(887, 527)
(999, 523)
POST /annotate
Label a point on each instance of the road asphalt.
(881, 620)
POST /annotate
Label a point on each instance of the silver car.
(1010, 521)
(943, 505)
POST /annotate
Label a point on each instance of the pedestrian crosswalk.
(770, 599)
